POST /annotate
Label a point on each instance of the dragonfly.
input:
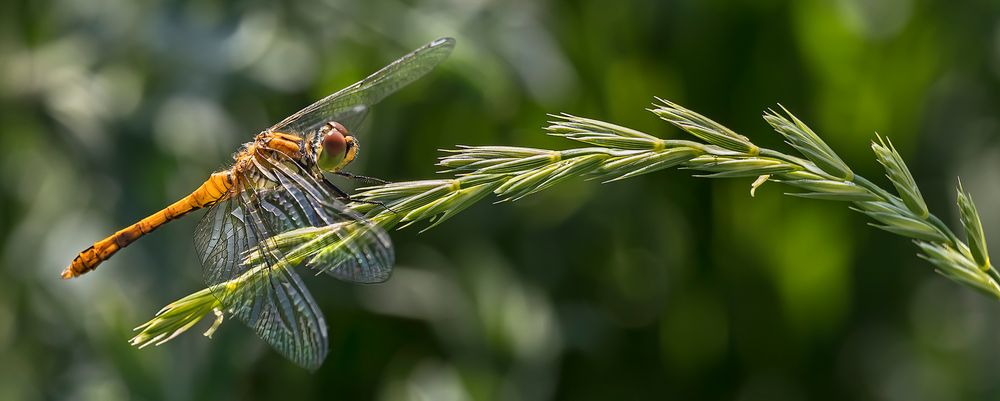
(276, 185)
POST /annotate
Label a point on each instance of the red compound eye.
(334, 143)
(333, 146)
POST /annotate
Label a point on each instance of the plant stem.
(616, 153)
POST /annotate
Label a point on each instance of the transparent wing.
(282, 218)
(265, 294)
(368, 91)
(321, 231)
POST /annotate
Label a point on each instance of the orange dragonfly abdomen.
(216, 188)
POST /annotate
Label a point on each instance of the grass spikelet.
(616, 153)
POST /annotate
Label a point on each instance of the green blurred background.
(659, 287)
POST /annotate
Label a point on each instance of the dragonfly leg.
(363, 178)
(376, 203)
(344, 196)
(341, 195)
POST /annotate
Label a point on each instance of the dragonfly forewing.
(370, 90)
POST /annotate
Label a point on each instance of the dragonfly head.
(335, 148)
